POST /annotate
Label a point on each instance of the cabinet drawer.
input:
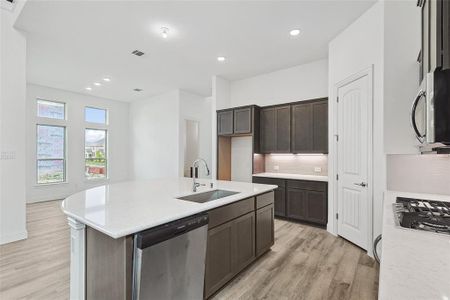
(231, 211)
(307, 185)
(265, 180)
(264, 199)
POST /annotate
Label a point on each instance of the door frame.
(334, 159)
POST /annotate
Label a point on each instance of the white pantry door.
(354, 135)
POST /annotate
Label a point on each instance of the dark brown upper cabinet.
(225, 122)
(237, 121)
(276, 129)
(310, 127)
(243, 120)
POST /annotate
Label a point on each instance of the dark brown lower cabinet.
(238, 233)
(301, 200)
(264, 229)
(306, 205)
(219, 258)
(280, 202)
(244, 235)
(231, 247)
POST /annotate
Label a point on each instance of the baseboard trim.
(9, 238)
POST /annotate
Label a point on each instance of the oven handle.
(419, 136)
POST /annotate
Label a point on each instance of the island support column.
(77, 259)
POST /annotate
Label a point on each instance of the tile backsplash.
(428, 173)
(307, 164)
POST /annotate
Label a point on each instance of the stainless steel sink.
(208, 196)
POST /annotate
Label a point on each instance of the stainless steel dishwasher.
(169, 260)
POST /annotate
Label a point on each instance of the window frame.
(48, 118)
(94, 123)
(64, 159)
(106, 130)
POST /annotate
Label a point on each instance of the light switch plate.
(318, 169)
(276, 168)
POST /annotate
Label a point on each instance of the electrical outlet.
(317, 169)
(276, 168)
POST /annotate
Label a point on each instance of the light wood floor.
(305, 263)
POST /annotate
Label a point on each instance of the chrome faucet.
(195, 184)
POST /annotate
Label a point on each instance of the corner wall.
(154, 137)
(12, 129)
(357, 48)
(157, 133)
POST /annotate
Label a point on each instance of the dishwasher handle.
(170, 230)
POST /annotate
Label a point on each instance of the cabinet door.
(320, 126)
(243, 120)
(244, 241)
(302, 131)
(283, 129)
(268, 130)
(280, 202)
(225, 122)
(296, 204)
(316, 207)
(219, 257)
(264, 229)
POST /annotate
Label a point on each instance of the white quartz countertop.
(293, 176)
(125, 208)
(414, 264)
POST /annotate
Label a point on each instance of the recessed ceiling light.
(89, 88)
(294, 32)
(164, 32)
(221, 58)
(97, 84)
(107, 79)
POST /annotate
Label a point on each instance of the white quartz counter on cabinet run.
(292, 176)
(121, 209)
(414, 264)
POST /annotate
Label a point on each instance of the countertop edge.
(127, 232)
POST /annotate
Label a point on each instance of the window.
(51, 109)
(95, 153)
(50, 154)
(95, 115)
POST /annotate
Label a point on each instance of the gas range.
(426, 215)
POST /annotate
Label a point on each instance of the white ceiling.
(71, 44)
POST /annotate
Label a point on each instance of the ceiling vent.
(137, 53)
(138, 90)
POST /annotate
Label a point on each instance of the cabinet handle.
(363, 184)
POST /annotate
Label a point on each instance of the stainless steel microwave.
(430, 113)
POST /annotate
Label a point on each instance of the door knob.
(363, 184)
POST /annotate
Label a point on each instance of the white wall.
(154, 133)
(241, 159)
(307, 81)
(357, 48)
(12, 129)
(157, 131)
(118, 142)
(197, 108)
(401, 74)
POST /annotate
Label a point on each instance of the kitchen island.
(104, 219)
